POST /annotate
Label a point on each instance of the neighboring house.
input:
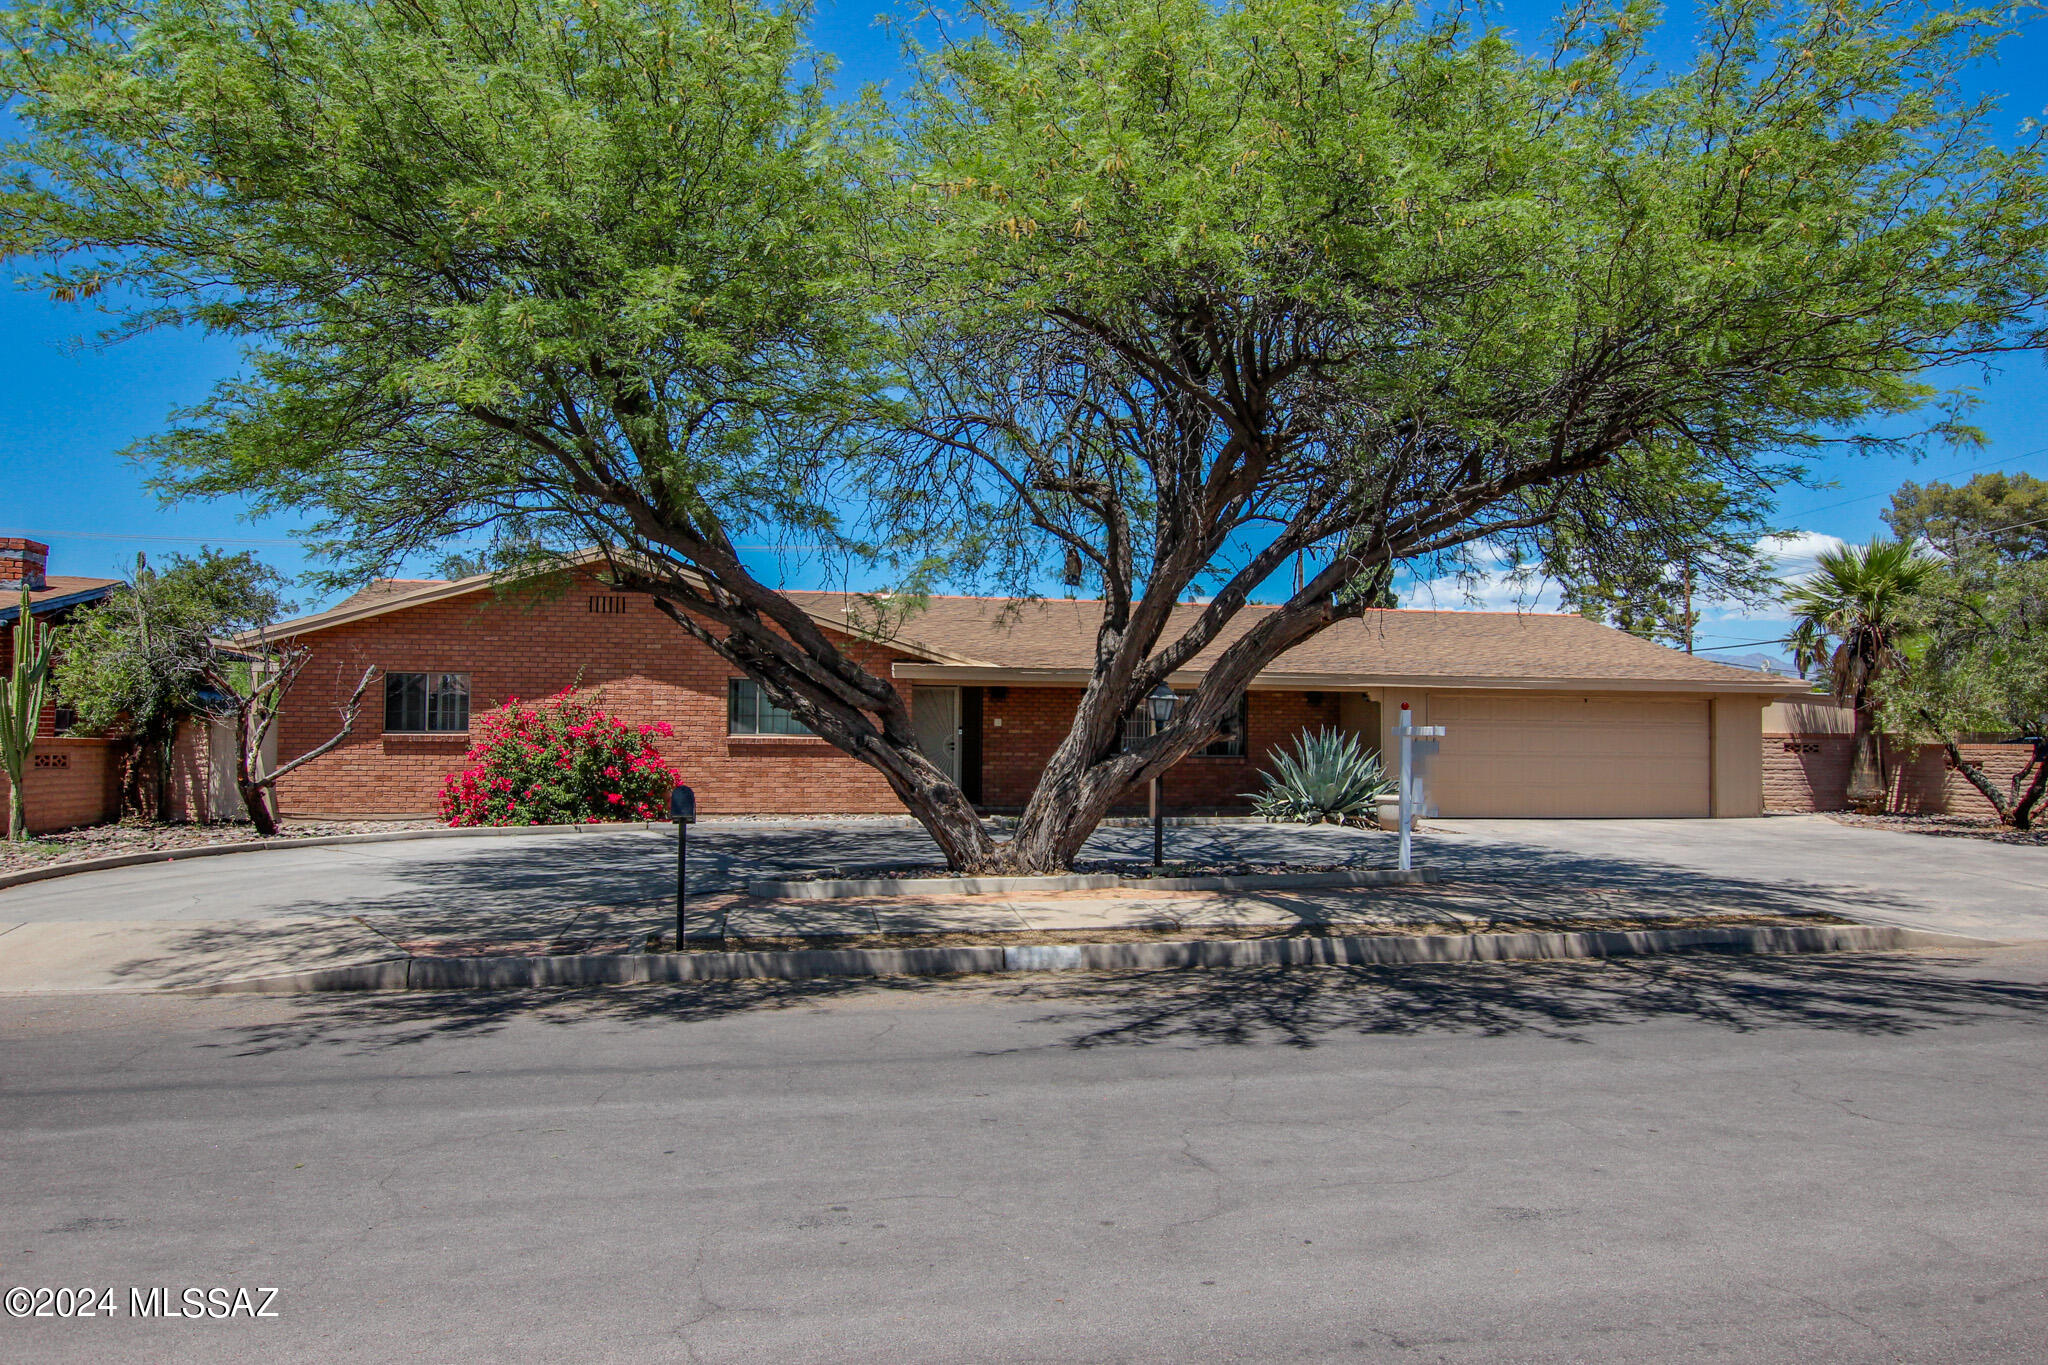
(71, 780)
(1548, 715)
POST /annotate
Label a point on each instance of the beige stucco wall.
(1738, 757)
(1809, 716)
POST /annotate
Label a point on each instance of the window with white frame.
(749, 712)
(426, 703)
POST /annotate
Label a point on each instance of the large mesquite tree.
(1164, 297)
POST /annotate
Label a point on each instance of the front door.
(935, 714)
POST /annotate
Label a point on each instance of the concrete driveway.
(547, 875)
(1956, 886)
(1776, 865)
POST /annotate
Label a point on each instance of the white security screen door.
(935, 715)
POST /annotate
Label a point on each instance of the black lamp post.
(682, 808)
(1161, 700)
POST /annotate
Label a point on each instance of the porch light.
(1162, 701)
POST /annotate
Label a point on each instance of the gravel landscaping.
(143, 836)
(1982, 827)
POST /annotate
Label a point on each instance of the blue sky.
(67, 409)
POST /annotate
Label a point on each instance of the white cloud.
(1495, 590)
(1795, 554)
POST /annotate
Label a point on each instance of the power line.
(1953, 473)
(166, 540)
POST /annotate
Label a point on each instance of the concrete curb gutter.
(520, 973)
(769, 889)
(179, 855)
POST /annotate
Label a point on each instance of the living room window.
(426, 703)
(749, 712)
(1229, 744)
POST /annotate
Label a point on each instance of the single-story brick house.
(1548, 715)
(71, 780)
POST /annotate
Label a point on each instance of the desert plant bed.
(1983, 827)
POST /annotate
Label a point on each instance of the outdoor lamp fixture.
(1161, 700)
(682, 808)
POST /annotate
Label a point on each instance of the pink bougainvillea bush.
(561, 761)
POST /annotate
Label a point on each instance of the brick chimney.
(22, 564)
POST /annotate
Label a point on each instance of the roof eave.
(462, 587)
(1277, 681)
(49, 604)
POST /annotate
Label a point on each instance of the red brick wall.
(1811, 773)
(1806, 772)
(70, 782)
(517, 646)
(1033, 720)
(2001, 763)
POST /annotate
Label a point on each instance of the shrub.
(1330, 775)
(559, 761)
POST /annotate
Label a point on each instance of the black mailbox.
(682, 806)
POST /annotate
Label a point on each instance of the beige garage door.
(1531, 755)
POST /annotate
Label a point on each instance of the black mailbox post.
(682, 808)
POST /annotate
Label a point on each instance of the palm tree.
(1848, 614)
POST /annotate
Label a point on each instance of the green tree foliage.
(1854, 616)
(1184, 290)
(1221, 285)
(138, 664)
(1655, 573)
(1977, 665)
(2006, 514)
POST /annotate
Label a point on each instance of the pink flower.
(615, 798)
(611, 770)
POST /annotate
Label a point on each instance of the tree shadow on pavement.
(1299, 1007)
(1285, 1006)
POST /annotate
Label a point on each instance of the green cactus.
(21, 706)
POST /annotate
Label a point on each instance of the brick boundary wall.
(1811, 773)
(71, 782)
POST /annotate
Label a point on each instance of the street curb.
(521, 973)
(770, 889)
(178, 855)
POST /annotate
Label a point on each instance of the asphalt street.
(1690, 1159)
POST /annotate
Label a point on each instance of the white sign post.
(1409, 733)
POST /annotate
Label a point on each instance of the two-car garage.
(1514, 754)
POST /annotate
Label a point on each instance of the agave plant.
(1329, 776)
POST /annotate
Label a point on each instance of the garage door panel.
(1508, 755)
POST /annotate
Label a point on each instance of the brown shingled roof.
(1058, 636)
(378, 590)
(992, 639)
(65, 589)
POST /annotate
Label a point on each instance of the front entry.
(935, 715)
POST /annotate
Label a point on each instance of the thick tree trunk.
(1866, 791)
(936, 802)
(2023, 809)
(2015, 811)
(254, 790)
